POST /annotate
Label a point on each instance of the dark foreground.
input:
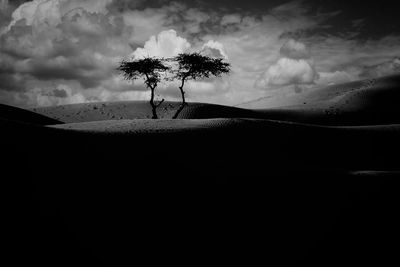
(244, 193)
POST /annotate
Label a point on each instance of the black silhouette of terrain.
(25, 116)
(100, 184)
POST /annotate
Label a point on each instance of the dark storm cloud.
(46, 43)
(66, 51)
(9, 82)
(60, 93)
(366, 19)
(73, 46)
(5, 14)
(126, 5)
(231, 6)
(89, 76)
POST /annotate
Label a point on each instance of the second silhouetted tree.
(193, 66)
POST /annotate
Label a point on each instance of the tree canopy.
(149, 68)
(197, 66)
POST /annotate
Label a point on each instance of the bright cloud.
(288, 71)
(53, 41)
(168, 44)
(293, 68)
(65, 51)
(337, 77)
(214, 49)
(165, 44)
(294, 50)
(38, 12)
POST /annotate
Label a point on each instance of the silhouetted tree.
(193, 66)
(148, 68)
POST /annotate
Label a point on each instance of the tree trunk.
(182, 106)
(183, 100)
(153, 105)
(183, 92)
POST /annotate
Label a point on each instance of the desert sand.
(101, 183)
(368, 102)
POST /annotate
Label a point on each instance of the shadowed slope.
(109, 190)
(22, 115)
(145, 126)
(229, 140)
(370, 102)
(117, 192)
(235, 142)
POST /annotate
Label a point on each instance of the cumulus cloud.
(56, 41)
(292, 68)
(59, 41)
(287, 71)
(51, 11)
(165, 44)
(78, 44)
(295, 50)
(169, 44)
(214, 49)
(144, 24)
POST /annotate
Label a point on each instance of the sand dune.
(316, 95)
(221, 142)
(144, 126)
(106, 178)
(106, 111)
(22, 115)
(139, 110)
(363, 133)
(183, 125)
(97, 191)
(369, 102)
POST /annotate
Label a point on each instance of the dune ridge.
(95, 183)
(369, 102)
(131, 110)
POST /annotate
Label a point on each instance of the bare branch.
(160, 103)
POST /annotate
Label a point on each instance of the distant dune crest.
(367, 102)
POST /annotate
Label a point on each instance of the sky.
(55, 52)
